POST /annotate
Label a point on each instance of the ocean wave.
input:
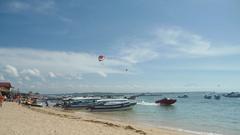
(147, 103)
(190, 131)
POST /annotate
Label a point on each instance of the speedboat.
(207, 96)
(79, 102)
(232, 95)
(32, 101)
(184, 96)
(35, 102)
(217, 97)
(112, 105)
(166, 101)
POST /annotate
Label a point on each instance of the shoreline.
(21, 120)
(104, 116)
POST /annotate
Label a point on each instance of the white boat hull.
(118, 107)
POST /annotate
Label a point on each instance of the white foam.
(147, 103)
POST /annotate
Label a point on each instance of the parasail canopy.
(101, 58)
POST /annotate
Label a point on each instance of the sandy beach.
(20, 120)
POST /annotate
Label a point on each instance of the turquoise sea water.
(193, 114)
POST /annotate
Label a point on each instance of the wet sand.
(20, 120)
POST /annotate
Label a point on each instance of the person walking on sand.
(46, 102)
(1, 99)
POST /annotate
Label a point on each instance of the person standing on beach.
(1, 99)
(19, 99)
(46, 102)
(5, 98)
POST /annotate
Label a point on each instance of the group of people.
(20, 100)
(3, 98)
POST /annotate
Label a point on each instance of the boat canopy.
(112, 100)
(85, 98)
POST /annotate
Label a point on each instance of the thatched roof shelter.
(5, 86)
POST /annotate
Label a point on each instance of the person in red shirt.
(1, 99)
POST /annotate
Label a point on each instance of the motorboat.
(131, 97)
(166, 101)
(37, 103)
(232, 95)
(79, 102)
(34, 102)
(207, 96)
(113, 105)
(217, 97)
(183, 96)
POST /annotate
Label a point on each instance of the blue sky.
(51, 46)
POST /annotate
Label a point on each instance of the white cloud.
(79, 77)
(11, 70)
(62, 63)
(173, 42)
(18, 6)
(65, 19)
(51, 74)
(179, 42)
(43, 6)
(102, 74)
(72, 76)
(136, 54)
(27, 78)
(32, 72)
(2, 77)
(183, 41)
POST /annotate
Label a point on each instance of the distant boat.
(104, 105)
(207, 96)
(217, 97)
(131, 97)
(183, 96)
(166, 101)
(232, 95)
(151, 94)
(79, 102)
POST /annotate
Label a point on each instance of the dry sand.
(20, 120)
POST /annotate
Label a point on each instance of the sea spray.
(147, 103)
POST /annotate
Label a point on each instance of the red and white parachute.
(101, 57)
